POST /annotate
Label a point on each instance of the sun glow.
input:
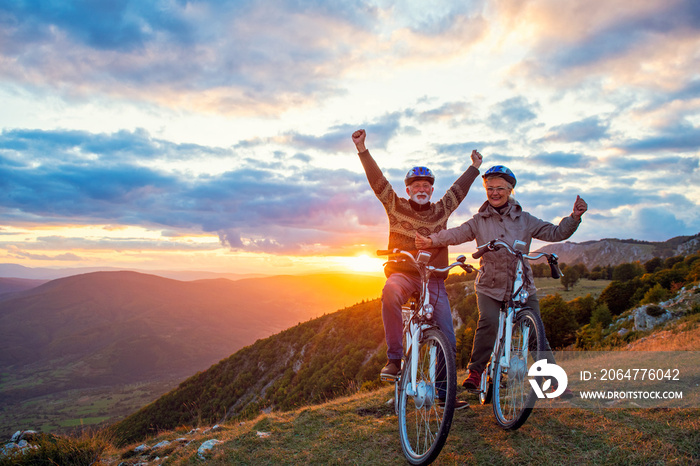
(362, 263)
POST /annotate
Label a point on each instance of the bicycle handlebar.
(496, 244)
(459, 263)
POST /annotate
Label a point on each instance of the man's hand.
(476, 159)
(580, 207)
(358, 137)
(423, 242)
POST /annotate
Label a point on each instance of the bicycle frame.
(425, 395)
(507, 316)
(504, 358)
(421, 319)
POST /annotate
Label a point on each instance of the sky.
(216, 135)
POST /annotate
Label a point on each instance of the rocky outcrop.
(615, 251)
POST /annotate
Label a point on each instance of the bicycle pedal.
(389, 378)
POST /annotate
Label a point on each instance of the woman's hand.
(423, 242)
(580, 207)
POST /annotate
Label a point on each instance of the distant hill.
(46, 273)
(13, 285)
(617, 251)
(107, 328)
(309, 363)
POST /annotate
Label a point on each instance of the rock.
(15, 438)
(29, 435)
(162, 444)
(644, 321)
(142, 448)
(206, 446)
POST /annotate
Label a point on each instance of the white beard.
(420, 198)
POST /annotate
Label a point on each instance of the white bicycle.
(519, 344)
(426, 387)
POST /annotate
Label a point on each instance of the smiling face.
(497, 190)
(420, 191)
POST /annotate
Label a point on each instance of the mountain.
(312, 362)
(107, 328)
(13, 285)
(616, 251)
(46, 273)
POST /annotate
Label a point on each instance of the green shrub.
(654, 310)
(656, 294)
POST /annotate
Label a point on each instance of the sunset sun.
(364, 263)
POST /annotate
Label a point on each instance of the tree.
(583, 308)
(559, 321)
(627, 271)
(617, 296)
(601, 316)
(653, 264)
(570, 277)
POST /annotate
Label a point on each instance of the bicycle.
(518, 345)
(426, 387)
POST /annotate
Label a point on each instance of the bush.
(559, 321)
(601, 316)
(654, 310)
(656, 294)
(627, 271)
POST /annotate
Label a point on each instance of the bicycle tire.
(513, 396)
(423, 422)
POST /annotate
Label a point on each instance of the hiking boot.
(391, 371)
(473, 382)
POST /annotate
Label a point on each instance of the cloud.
(18, 253)
(511, 114)
(200, 54)
(49, 146)
(682, 138)
(241, 57)
(258, 205)
(610, 47)
(587, 130)
(560, 160)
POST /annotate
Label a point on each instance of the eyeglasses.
(499, 190)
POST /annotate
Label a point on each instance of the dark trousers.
(487, 330)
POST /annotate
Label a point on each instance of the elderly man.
(407, 217)
(500, 217)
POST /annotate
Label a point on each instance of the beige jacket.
(496, 273)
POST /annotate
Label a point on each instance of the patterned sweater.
(407, 217)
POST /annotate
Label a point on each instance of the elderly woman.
(501, 217)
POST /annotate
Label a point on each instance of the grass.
(550, 286)
(64, 411)
(362, 429)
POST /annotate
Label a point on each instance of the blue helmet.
(419, 173)
(501, 171)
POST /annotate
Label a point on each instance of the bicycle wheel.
(425, 416)
(513, 396)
